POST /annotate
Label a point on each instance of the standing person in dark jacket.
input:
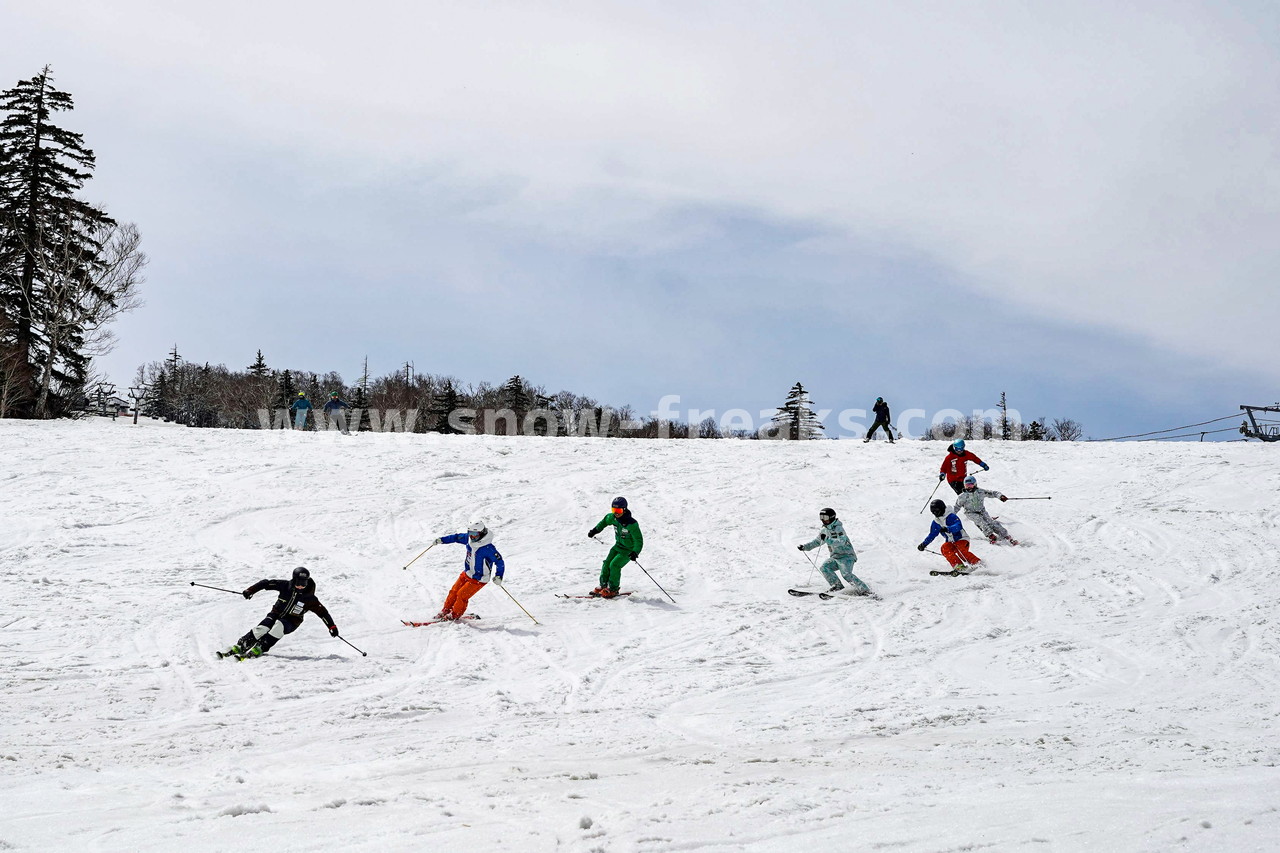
(335, 405)
(956, 465)
(881, 409)
(627, 544)
(296, 597)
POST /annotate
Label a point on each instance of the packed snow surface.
(1111, 684)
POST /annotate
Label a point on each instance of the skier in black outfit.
(881, 408)
(297, 596)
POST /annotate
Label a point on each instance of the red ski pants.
(463, 588)
(958, 553)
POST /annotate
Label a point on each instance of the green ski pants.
(611, 570)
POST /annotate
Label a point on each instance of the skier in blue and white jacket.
(955, 544)
(483, 564)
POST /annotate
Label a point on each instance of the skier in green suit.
(626, 547)
(840, 563)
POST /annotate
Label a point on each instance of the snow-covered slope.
(1111, 685)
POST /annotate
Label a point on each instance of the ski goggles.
(618, 510)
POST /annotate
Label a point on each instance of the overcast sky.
(1077, 203)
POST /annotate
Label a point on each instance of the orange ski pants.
(463, 588)
(958, 553)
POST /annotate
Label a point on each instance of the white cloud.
(1097, 162)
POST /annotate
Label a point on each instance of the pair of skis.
(466, 617)
(469, 616)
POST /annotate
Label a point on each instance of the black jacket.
(293, 604)
(882, 411)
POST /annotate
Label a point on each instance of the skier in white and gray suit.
(972, 501)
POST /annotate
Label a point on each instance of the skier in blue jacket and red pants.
(955, 545)
(484, 564)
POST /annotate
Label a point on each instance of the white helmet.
(476, 530)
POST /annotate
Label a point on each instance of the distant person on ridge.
(300, 407)
(881, 409)
(973, 501)
(295, 598)
(955, 546)
(628, 541)
(335, 405)
(483, 564)
(841, 555)
(956, 465)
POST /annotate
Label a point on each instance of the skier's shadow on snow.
(519, 632)
(660, 603)
(308, 657)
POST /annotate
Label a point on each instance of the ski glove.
(920, 547)
(799, 547)
(942, 475)
(633, 557)
(438, 542)
(986, 467)
(591, 534)
(497, 579)
(247, 594)
(333, 630)
(1003, 498)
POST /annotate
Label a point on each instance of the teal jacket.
(832, 535)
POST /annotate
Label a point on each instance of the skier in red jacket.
(955, 466)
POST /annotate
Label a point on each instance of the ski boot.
(254, 651)
(231, 652)
(597, 592)
(608, 592)
(835, 589)
(991, 537)
(1013, 541)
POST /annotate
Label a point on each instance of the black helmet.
(938, 508)
(301, 577)
(619, 503)
(827, 513)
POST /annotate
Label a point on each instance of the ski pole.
(646, 571)
(1030, 499)
(218, 588)
(351, 644)
(415, 559)
(813, 567)
(931, 494)
(503, 587)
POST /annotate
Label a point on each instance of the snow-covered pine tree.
(796, 420)
(42, 226)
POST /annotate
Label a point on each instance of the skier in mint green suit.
(627, 544)
(842, 556)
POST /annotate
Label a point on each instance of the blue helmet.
(958, 446)
(971, 482)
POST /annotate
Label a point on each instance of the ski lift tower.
(1261, 422)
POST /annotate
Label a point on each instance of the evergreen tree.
(288, 391)
(1036, 431)
(50, 242)
(796, 420)
(515, 396)
(447, 403)
(259, 367)
(1005, 428)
